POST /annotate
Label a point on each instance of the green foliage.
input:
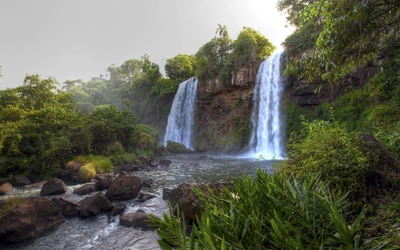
(87, 172)
(348, 34)
(180, 67)
(106, 125)
(339, 155)
(100, 163)
(269, 212)
(38, 129)
(177, 148)
(212, 55)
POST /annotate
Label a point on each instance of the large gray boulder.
(103, 181)
(124, 187)
(93, 205)
(138, 220)
(29, 219)
(53, 187)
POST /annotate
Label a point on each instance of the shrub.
(328, 148)
(175, 147)
(87, 172)
(268, 212)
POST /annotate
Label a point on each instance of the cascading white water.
(266, 138)
(181, 118)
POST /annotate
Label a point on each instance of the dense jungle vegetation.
(339, 186)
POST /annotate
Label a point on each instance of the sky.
(80, 39)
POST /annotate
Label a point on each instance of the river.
(98, 233)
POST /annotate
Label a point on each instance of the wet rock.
(93, 205)
(67, 209)
(35, 185)
(103, 182)
(147, 183)
(189, 204)
(124, 187)
(86, 189)
(165, 193)
(6, 188)
(144, 160)
(165, 163)
(130, 167)
(153, 163)
(118, 208)
(71, 172)
(144, 197)
(29, 219)
(138, 220)
(53, 187)
(20, 180)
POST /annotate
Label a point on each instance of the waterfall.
(266, 137)
(181, 118)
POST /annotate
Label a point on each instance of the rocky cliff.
(224, 110)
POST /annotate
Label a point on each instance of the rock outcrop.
(53, 187)
(29, 219)
(124, 187)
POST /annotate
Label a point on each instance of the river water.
(98, 233)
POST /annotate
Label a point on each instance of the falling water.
(266, 118)
(181, 117)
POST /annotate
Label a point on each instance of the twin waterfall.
(181, 118)
(266, 137)
(265, 119)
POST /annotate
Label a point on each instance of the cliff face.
(223, 112)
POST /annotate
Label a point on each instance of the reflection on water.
(98, 233)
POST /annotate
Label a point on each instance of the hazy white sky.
(79, 39)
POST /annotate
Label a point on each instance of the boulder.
(53, 187)
(6, 188)
(86, 189)
(189, 204)
(29, 219)
(93, 205)
(4, 180)
(144, 197)
(130, 167)
(35, 185)
(138, 220)
(103, 181)
(144, 160)
(67, 209)
(71, 172)
(124, 187)
(20, 180)
(164, 163)
(165, 193)
(118, 208)
(147, 183)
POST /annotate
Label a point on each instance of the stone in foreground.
(29, 219)
(138, 220)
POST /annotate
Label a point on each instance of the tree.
(212, 55)
(352, 33)
(180, 67)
